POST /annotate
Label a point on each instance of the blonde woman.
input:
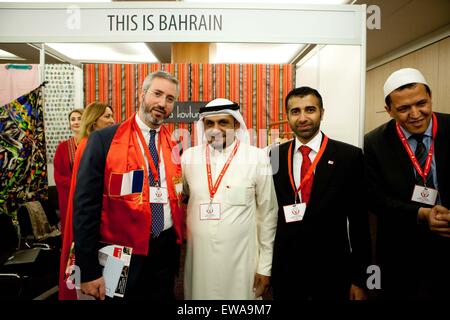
(96, 116)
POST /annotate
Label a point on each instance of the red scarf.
(126, 220)
(67, 257)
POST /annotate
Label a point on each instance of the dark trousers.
(152, 277)
(426, 283)
(313, 282)
(303, 291)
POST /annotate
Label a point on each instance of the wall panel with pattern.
(59, 101)
(258, 89)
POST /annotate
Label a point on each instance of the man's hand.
(438, 219)
(260, 285)
(94, 288)
(357, 293)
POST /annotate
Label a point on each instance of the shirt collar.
(144, 128)
(427, 133)
(314, 143)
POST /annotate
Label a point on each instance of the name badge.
(158, 195)
(210, 211)
(424, 195)
(294, 212)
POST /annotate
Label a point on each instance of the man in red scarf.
(127, 194)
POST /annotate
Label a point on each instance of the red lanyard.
(213, 189)
(151, 164)
(311, 168)
(422, 172)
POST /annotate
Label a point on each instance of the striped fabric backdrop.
(258, 89)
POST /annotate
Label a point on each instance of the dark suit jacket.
(406, 250)
(312, 258)
(89, 196)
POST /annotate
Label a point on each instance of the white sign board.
(181, 22)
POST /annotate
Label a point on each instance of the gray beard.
(148, 118)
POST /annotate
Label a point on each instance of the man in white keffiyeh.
(232, 209)
(218, 107)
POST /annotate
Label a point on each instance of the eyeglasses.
(158, 94)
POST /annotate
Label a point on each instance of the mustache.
(148, 109)
(303, 122)
(219, 136)
(215, 133)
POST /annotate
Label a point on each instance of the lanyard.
(422, 172)
(310, 170)
(213, 189)
(151, 164)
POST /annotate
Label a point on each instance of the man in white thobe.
(232, 209)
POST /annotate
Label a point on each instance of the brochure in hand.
(116, 262)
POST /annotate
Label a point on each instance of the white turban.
(222, 106)
(401, 77)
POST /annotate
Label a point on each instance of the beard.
(307, 134)
(220, 140)
(150, 119)
(147, 114)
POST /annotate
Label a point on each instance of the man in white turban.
(232, 209)
(407, 164)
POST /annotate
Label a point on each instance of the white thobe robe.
(223, 255)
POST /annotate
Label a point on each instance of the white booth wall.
(335, 71)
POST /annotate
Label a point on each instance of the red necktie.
(306, 163)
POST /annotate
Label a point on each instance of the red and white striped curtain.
(258, 88)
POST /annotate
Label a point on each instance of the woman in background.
(63, 163)
(96, 116)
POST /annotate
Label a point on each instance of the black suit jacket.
(406, 250)
(317, 257)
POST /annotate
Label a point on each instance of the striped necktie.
(157, 208)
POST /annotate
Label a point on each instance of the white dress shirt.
(146, 133)
(314, 144)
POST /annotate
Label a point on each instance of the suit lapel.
(398, 156)
(323, 173)
(441, 152)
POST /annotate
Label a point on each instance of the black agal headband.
(233, 106)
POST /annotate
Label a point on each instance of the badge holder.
(210, 211)
(424, 195)
(294, 212)
(158, 194)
